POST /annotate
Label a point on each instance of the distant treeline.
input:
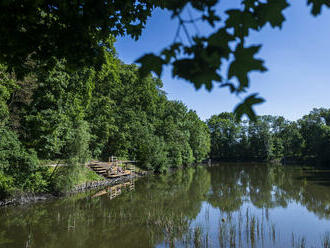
(59, 115)
(271, 138)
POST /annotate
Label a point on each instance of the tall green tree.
(225, 131)
(53, 29)
(271, 138)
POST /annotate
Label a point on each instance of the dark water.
(221, 206)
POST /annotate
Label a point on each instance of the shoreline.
(26, 198)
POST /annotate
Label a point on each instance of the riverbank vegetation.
(68, 98)
(60, 115)
(271, 138)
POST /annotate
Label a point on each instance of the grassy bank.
(54, 180)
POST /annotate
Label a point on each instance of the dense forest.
(271, 138)
(65, 116)
(67, 98)
(58, 115)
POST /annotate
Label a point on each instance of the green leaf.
(150, 62)
(211, 17)
(249, 3)
(317, 5)
(246, 107)
(241, 21)
(244, 63)
(271, 12)
(196, 71)
(231, 86)
(172, 51)
(219, 41)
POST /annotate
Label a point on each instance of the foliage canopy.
(51, 30)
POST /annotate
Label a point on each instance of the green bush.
(6, 185)
(20, 165)
(37, 181)
(66, 177)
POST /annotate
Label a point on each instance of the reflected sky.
(229, 205)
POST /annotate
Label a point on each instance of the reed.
(273, 232)
(232, 236)
(252, 230)
(222, 235)
(325, 240)
(198, 237)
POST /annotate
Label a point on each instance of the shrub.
(20, 165)
(73, 174)
(6, 185)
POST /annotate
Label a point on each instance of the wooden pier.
(114, 168)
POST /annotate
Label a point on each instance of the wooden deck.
(113, 169)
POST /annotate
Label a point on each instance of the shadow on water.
(221, 206)
(318, 176)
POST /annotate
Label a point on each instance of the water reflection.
(116, 190)
(269, 187)
(221, 206)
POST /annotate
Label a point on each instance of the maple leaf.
(244, 63)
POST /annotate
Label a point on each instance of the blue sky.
(297, 58)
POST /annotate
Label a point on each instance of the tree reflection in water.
(221, 206)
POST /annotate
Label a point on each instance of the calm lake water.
(220, 206)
